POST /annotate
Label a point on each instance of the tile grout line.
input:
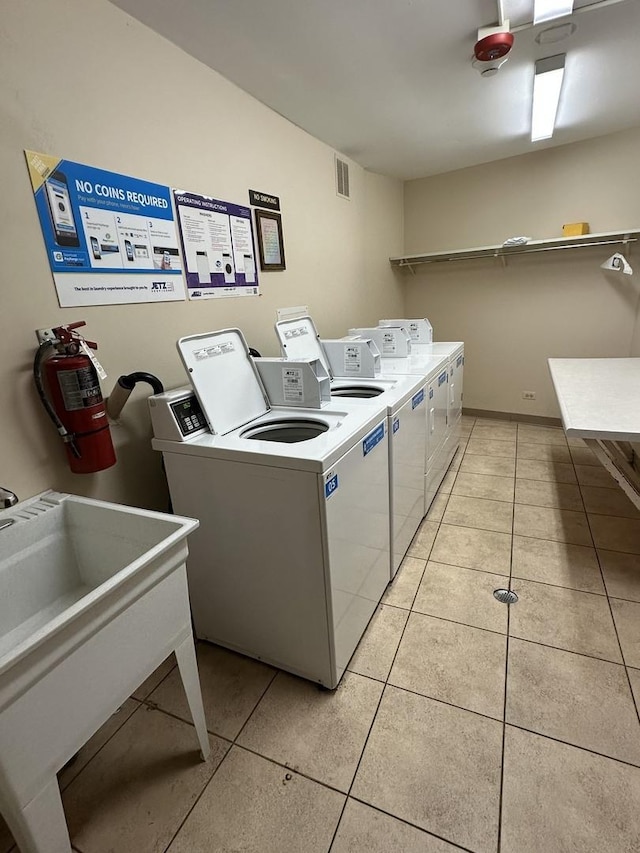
(522, 639)
(231, 743)
(386, 681)
(568, 651)
(506, 666)
(615, 626)
(224, 757)
(197, 800)
(99, 750)
(413, 825)
(456, 622)
(574, 745)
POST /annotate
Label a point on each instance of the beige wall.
(562, 304)
(82, 80)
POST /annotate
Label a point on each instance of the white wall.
(82, 80)
(562, 304)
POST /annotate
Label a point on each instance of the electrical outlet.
(528, 395)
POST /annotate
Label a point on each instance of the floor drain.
(505, 596)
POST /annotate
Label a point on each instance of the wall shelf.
(608, 238)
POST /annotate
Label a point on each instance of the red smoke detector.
(493, 46)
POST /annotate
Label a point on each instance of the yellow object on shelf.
(575, 229)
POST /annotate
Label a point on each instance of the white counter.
(599, 397)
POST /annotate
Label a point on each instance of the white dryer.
(292, 552)
(405, 399)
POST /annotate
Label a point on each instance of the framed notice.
(270, 243)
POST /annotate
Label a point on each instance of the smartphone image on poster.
(249, 269)
(129, 250)
(227, 264)
(202, 266)
(95, 248)
(64, 226)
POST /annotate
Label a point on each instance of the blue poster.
(110, 238)
(218, 246)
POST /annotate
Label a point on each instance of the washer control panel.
(188, 415)
(177, 415)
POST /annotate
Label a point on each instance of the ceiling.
(390, 83)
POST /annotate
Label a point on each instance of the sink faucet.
(7, 498)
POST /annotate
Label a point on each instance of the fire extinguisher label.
(102, 373)
(80, 388)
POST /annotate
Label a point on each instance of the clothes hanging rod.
(500, 251)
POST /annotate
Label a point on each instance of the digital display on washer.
(189, 415)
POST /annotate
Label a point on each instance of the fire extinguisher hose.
(40, 357)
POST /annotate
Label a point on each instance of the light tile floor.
(462, 723)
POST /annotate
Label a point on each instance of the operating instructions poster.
(110, 238)
(217, 245)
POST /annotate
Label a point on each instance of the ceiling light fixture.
(548, 10)
(547, 83)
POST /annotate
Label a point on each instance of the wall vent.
(342, 178)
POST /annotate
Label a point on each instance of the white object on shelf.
(93, 597)
(516, 241)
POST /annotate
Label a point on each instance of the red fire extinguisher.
(69, 388)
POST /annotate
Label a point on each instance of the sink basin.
(93, 597)
(62, 554)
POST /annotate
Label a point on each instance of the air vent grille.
(342, 178)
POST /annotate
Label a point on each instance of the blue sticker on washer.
(396, 425)
(417, 399)
(330, 486)
(374, 437)
(442, 378)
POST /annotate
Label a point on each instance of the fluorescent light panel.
(548, 10)
(547, 84)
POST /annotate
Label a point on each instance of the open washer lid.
(299, 339)
(224, 378)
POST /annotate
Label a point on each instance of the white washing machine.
(292, 552)
(420, 333)
(405, 399)
(440, 448)
(454, 352)
(434, 369)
